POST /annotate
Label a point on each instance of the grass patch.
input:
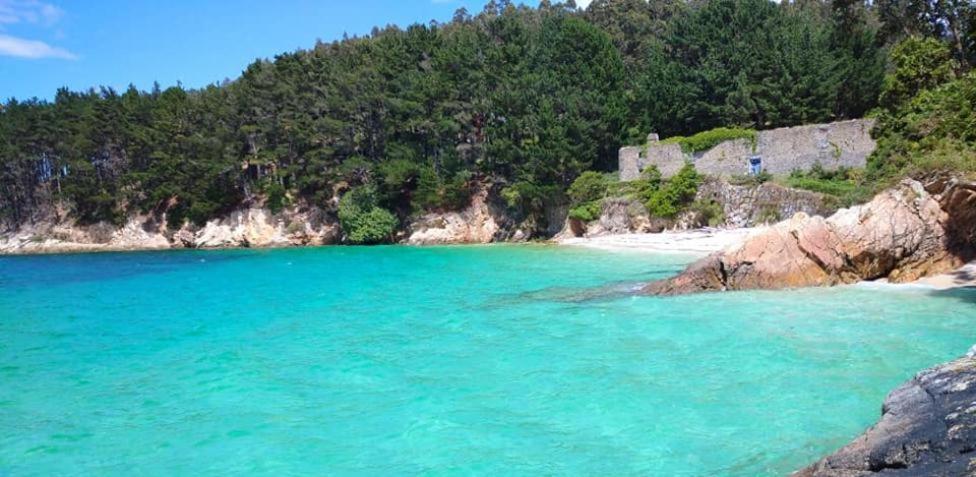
(706, 140)
(847, 186)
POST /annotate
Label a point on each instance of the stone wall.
(783, 150)
(751, 205)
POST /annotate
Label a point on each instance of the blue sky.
(46, 44)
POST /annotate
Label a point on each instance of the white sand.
(963, 277)
(693, 242)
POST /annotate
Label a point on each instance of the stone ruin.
(777, 151)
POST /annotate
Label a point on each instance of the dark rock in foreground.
(927, 428)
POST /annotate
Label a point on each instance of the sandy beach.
(693, 242)
(962, 278)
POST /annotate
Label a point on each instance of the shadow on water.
(963, 294)
(93, 267)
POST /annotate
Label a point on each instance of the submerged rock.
(927, 427)
(903, 234)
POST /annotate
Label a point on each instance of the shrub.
(751, 180)
(706, 140)
(588, 187)
(363, 221)
(276, 195)
(586, 212)
(677, 193)
(640, 189)
(398, 175)
(436, 193)
(935, 130)
(845, 185)
(918, 64)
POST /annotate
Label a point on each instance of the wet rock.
(927, 427)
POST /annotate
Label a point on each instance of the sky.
(48, 44)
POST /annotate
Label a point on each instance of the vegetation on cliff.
(706, 140)
(526, 97)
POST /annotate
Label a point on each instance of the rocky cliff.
(475, 224)
(252, 227)
(927, 427)
(905, 233)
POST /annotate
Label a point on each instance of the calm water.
(506, 360)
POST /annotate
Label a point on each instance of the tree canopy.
(526, 97)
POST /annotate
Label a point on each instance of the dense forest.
(405, 120)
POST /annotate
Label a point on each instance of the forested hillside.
(412, 119)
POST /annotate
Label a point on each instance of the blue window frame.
(755, 165)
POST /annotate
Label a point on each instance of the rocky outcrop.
(927, 427)
(901, 235)
(252, 227)
(256, 227)
(60, 237)
(622, 216)
(475, 224)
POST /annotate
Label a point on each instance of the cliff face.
(927, 427)
(475, 224)
(253, 227)
(903, 234)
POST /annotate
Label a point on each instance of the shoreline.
(700, 242)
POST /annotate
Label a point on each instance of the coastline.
(700, 242)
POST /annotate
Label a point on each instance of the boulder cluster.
(905, 233)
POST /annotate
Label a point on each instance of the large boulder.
(927, 427)
(903, 234)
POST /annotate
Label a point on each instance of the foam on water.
(501, 360)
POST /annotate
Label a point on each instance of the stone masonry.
(780, 151)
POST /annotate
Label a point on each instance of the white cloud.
(583, 3)
(29, 11)
(32, 49)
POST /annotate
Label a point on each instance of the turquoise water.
(502, 360)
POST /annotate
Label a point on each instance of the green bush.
(276, 195)
(676, 194)
(936, 130)
(845, 185)
(362, 220)
(588, 187)
(586, 212)
(706, 140)
(640, 189)
(436, 193)
(918, 64)
(399, 176)
(750, 179)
